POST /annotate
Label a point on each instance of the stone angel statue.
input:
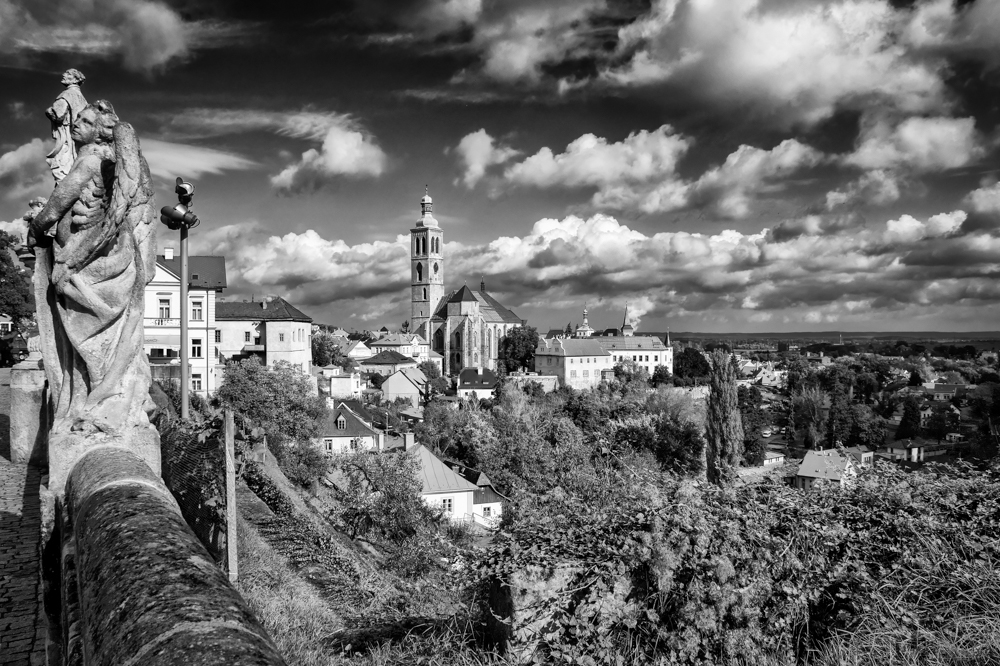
(90, 278)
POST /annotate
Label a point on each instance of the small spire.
(668, 336)
(482, 283)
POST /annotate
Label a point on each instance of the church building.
(465, 326)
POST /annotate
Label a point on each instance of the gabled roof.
(505, 315)
(438, 477)
(277, 309)
(407, 378)
(358, 408)
(415, 375)
(472, 379)
(571, 347)
(644, 342)
(829, 464)
(353, 425)
(463, 295)
(388, 357)
(203, 272)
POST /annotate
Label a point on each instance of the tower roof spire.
(426, 211)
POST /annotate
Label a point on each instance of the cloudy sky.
(722, 165)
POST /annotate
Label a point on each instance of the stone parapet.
(28, 413)
(149, 592)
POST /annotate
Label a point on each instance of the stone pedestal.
(28, 413)
(67, 448)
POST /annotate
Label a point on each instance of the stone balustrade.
(147, 592)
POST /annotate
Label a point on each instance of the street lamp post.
(181, 217)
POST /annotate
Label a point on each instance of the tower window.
(420, 272)
(435, 268)
(425, 293)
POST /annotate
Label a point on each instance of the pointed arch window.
(425, 293)
(420, 272)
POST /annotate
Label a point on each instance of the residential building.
(487, 503)
(862, 454)
(773, 458)
(576, 362)
(407, 344)
(345, 430)
(465, 326)
(945, 392)
(387, 362)
(162, 320)
(270, 329)
(408, 383)
(333, 382)
(443, 488)
(6, 324)
(905, 450)
(356, 350)
(830, 465)
(477, 382)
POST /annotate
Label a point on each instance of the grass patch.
(294, 614)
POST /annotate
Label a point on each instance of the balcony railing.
(153, 321)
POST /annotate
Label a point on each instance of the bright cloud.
(918, 144)
(476, 152)
(24, 172)
(908, 265)
(169, 160)
(346, 151)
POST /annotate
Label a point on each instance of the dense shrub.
(739, 574)
(262, 486)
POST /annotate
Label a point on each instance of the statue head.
(35, 205)
(73, 77)
(95, 124)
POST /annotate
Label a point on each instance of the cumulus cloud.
(478, 151)
(830, 270)
(639, 173)
(346, 148)
(24, 172)
(918, 144)
(169, 160)
(145, 34)
(877, 187)
(792, 62)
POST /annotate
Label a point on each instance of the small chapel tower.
(426, 268)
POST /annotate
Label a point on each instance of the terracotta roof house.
(442, 487)
(387, 362)
(271, 329)
(830, 464)
(344, 430)
(475, 381)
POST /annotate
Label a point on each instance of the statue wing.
(132, 198)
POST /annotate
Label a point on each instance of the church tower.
(426, 269)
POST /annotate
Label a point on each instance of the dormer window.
(341, 423)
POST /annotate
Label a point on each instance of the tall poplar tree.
(724, 424)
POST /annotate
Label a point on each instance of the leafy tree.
(17, 300)
(516, 350)
(661, 377)
(679, 446)
(754, 419)
(405, 326)
(691, 364)
(376, 380)
(430, 369)
(800, 374)
(838, 422)
(279, 399)
(937, 425)
(909, 426)
(381, 495)
(867, 385)
(954, 377)
(915, 379)
(569, 329)
(807, 408)
(723, 427)
(325, 350)
(303, 463)
(867, 428)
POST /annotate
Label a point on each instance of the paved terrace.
(22, 637)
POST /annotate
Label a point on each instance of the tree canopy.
(516, 350)
(17, 300)
(724, 426)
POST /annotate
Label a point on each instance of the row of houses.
(842, 466)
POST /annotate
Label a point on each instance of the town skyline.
(753, 168)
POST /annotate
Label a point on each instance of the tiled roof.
(353, 425)
(829, 464)
(358, 408)
(631, 342)
(415, 375)
(388, 357)
(506, 315)
(436, 476)
(571, 347)
(463, 294)
(471, 378)
(203, 272)
(277, 309)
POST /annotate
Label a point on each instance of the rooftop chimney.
(168, 253)
(407, 441)
(263, 304)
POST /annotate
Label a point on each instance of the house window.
(281, 337)
(196, 348)
(487, 512)
(218, 336)
(448, 505)
(195, 382)
(548, 361)
(328, 443)
(656, 359)
(341, 423)
(572, 373)
(354, 444)
(246, 337)
(196, 311)
(164, 308)
(586, 373)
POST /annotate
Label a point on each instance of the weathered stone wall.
(149, 592)
(28, 414)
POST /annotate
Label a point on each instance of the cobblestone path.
(22, 636)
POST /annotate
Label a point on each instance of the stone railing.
(138, 586)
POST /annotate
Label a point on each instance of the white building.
(162, 320)
(443, 488)
(334, 382)
(577, 362)
(345, 430)
(272, 330)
